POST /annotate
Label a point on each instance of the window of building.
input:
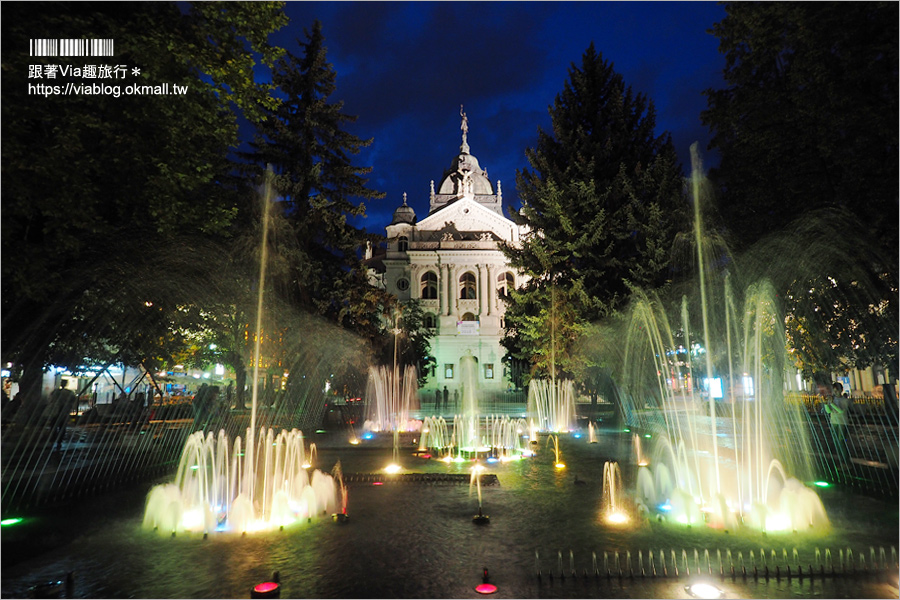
(430, 321)
(403, 243)
(489, 370)
(467, 287)
(402, 284)
(505, 283)
(429, 286)
(469, 317)
(448, 371)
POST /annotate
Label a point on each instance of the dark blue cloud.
(405, 67)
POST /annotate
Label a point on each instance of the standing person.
(839, 411)
(456, 399)
(446, 397)
(62, 401)
(437, 400)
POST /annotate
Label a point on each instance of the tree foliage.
(808, 122)
(96, 187)
(306, 142)
(603, 201)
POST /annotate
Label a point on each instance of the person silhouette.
(62, 401)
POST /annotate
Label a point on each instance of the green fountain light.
(822, 484)
(11, 521)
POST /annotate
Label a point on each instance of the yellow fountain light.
(643, 463)
(701, 589)
(306, 465)
(354, 441)
(560, 465)
(392, 469)
(617, 518)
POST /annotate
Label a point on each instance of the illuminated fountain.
(391, 399)
(217, 489)
(475, 481)
(613, 499)
(552, 406)
(263, 485)
(731, 466)
(557, 462)
(470, 434)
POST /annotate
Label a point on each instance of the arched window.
(430, 321)
(429, 286)
(403, 243)
(467, 287)
(505, 284)
(469, 317)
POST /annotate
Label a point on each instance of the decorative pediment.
(466, 216)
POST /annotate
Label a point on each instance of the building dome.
(465, 168)
(404, 214)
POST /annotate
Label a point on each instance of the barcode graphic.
(71, 47)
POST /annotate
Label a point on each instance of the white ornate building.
(451, 262)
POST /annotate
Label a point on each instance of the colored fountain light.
(485, 588)
(393, 468)
(10, 521)
(267, 589)
(701, 589)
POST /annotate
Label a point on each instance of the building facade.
(451, 262)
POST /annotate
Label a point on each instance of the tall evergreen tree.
(604, 201)
(807, 132)
(318, 186)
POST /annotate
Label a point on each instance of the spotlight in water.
(354, 441)
(822, 484)
(11, 521)
(643, 463)
(392, 468)
(377, 483)
(560, 465)
(617, 518)
(485, 588)
(701, 589)
(577, 435)
(267, 589)
(368, 435)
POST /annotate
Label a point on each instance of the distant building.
(451, 262)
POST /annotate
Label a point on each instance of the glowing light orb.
(486, 588)
(354, 441)
(703, 590)
(617, 518)
(560, 465)
(11, 521)
(823, 484)
(392, 468)
(377, 483)
(368, 436)
(267, 589)
(643, 463)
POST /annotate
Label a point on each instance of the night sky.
(404, 69)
